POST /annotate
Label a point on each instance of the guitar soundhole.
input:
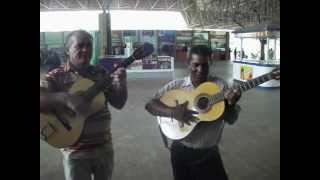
(203, 103)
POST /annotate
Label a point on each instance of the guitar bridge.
(47, 131)
(63, 121)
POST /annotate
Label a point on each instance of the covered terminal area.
(243, 37)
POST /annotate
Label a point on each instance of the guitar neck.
(98, 86)
(242, 87)
(252, 83)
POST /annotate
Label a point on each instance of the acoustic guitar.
(207, 100)
(62, 129)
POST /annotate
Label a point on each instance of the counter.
(244, 70)
(159, 64)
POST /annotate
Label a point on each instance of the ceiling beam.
(201, 18)
(80, 4)
(103, 4)
(171, 6)
(150, 4)
(61, 4)
(86, 3)
(189, 6)
(43, 5)
(137, 3)
(154, 4)
(100, 5)
(107, 4)
(181, 4)
(186, 17)
(193, 25)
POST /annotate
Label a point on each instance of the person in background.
(270, 54)
(242, 54)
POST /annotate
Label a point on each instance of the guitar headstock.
(145, 50)
(276, 73)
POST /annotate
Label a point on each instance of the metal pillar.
(268, 40)
(241, 47)
(105, 33)
(275, 49)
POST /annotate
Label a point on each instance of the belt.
(86, 146)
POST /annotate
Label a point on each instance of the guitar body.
(207, 99)
(171, 127)
(55, 133)
(59, 129)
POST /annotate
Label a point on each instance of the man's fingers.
(193, 112)
(71, 112)
(187, 122)
(194, 119)
(190, 119)
(119, 71)
(185, 104)
(237, 92)
(226, 94)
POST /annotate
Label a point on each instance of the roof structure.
(207, 14)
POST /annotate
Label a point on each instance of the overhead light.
(120, 20)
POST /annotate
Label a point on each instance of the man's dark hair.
(75, 33)
(200, 50)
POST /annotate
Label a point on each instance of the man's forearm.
(157, 108)
(231, 113)
(49, 100)
(45, 101)
(119, 95)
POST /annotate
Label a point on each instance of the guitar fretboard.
(244, 86)
(92, 91)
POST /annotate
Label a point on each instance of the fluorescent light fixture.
(202, 29)
(147, 20)
(68, 21)
(120, 20)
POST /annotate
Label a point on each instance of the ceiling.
(212, 14)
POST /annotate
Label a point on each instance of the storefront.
(170, 46)
(151, 64)
(257, 52)
(171, 40)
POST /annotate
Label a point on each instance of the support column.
(105, 34)
(241, 48)
(275, 49)
(109, 40)
(268, 49)
(227, 46)
(262, 44)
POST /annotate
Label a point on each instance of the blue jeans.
(93, 164)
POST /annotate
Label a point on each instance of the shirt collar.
(189, 82)
(67, 68)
